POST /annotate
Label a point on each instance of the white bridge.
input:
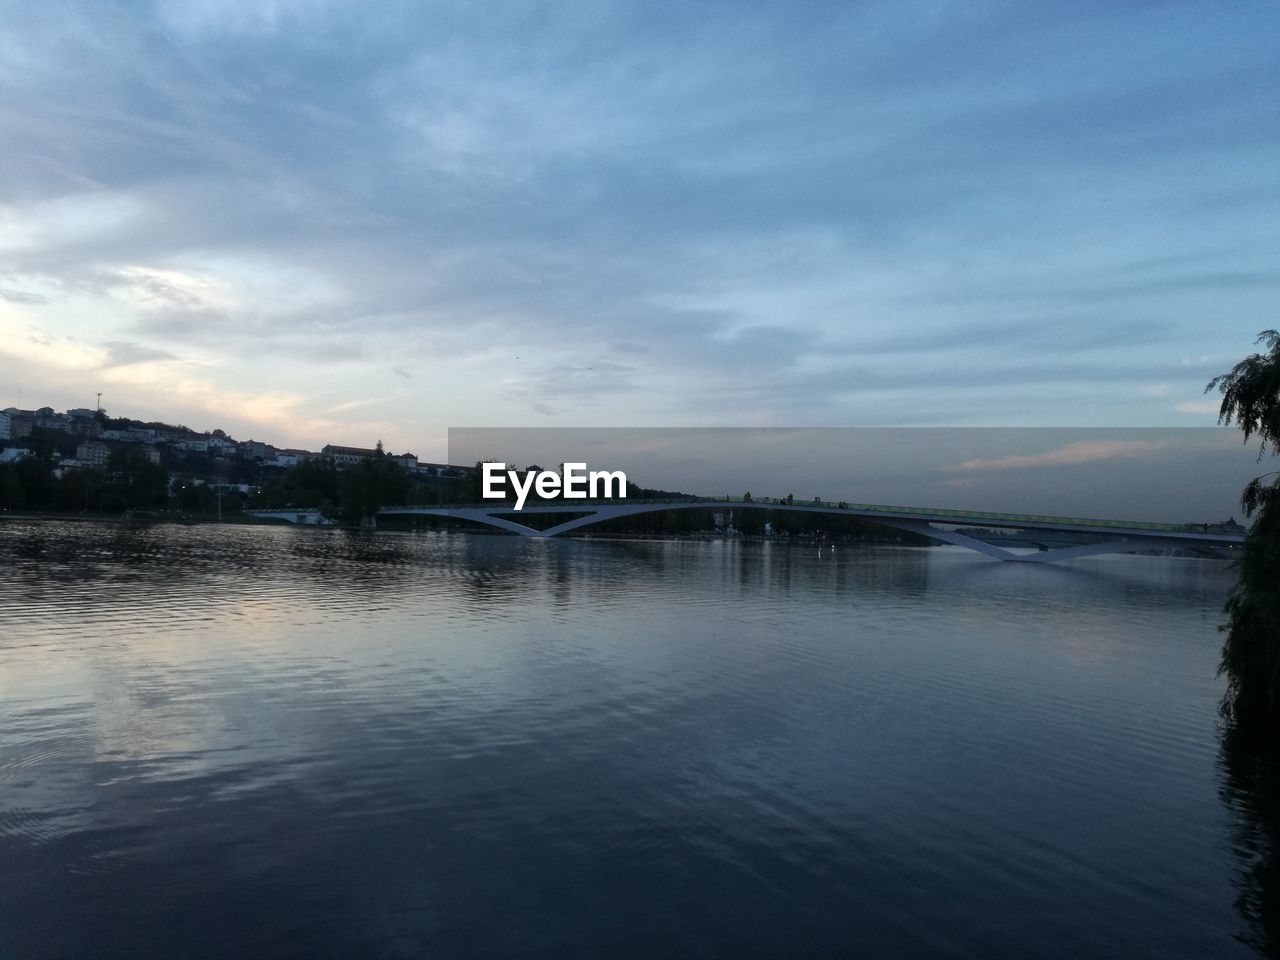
(1099, 536)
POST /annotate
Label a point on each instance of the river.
(254, 741)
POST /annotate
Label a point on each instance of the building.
(131, 435)
(94, 453)
(441, 471)
(340, 454)
(5, 429)
(20, 422)
(356, 455)
(222, 486)
(89, 427)
(258, 451)
(291, 458)
(47, 419)
(13, 454)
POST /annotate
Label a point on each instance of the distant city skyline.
(311, 222)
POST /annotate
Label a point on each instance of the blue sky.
(312, 222)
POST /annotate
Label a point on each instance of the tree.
(75, 490)
(370, 485)
(12, 496)
(35, 474)
(136, 480)
(1251, 651)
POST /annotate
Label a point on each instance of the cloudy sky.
(311, 222)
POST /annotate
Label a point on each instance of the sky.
(309, 222)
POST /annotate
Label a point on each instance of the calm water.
(272, 742)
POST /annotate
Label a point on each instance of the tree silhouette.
(1251, 651)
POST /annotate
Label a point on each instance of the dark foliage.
(1251, 652)
(1251, 394)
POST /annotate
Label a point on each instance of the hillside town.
(96, 435)
(86, 460)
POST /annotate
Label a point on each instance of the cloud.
(22, 296)
(122, 353)
(64, 223)
(582, 384)
(1071, 454)
(357, 404)
(201, 18)
(151, 288)
(1199, 406)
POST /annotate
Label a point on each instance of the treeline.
(355, 492)
(128, 481)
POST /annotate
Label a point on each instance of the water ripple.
(319, 743)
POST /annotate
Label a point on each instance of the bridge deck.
(1142, 528)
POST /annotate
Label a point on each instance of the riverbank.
(139, 517)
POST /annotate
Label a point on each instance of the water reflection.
(1251, 792)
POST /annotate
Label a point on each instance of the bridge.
(1103, 536)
